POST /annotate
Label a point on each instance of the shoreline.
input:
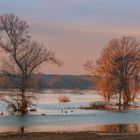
(89, 135)
(112, 129)
(94, 128)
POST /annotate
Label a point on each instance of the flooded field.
(51, 115)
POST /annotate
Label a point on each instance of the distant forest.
(44, 81)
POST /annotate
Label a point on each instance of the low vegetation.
(64, 99)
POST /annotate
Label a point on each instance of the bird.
(43, 114)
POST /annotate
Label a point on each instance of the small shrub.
(64, 99)
(33, 109)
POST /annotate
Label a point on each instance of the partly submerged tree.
(23, 58)
(118, 68)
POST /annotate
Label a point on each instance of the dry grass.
(68, 136)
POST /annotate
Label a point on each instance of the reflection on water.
(127, 107)
(120, 128)
(22, 129)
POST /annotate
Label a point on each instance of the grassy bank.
(68, 136)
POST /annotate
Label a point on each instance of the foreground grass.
(68, 136)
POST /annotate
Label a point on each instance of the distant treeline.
(43, 81)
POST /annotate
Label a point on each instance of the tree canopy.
(118, 68)
(23, 58)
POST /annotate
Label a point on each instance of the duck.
(43, 114)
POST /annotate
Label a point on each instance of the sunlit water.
(54, 116)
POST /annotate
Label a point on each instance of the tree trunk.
(23, 109)
(24, 102)
(126, 100)
(134, 95)
(120, 98)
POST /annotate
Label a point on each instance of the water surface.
(54, 116)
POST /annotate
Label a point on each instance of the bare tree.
(119, 62)
(23, 58)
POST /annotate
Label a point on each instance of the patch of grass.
(99, 105)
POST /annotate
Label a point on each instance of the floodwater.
(54, 116)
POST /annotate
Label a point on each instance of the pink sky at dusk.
(76, 30)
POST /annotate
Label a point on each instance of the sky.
(77, 30)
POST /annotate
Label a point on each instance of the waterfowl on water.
(43, 114)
